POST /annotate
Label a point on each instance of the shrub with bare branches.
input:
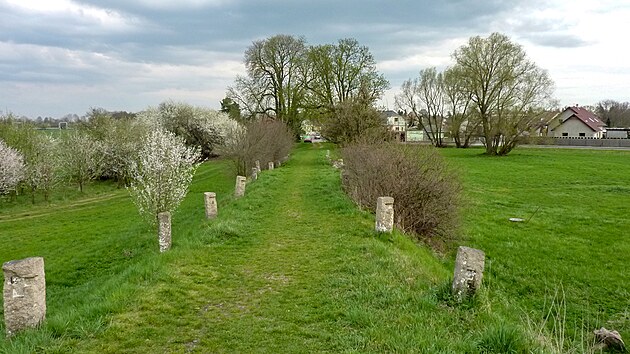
(426, 191)
(263, 140)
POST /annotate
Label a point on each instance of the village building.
(575, 122)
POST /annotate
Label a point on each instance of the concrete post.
(254, 173)
(384, 214)
(239, 191)
(469, 265)
(24, 294)
(164, 231)
(278, 163)
(258, 165)
(270, 165)
(210, 199)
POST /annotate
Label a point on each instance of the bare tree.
(424, 97)
(508, 91)
(275, 84)
(614, 113)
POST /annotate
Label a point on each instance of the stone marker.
(328, 154)
(278, 163)
(24, 294)
(239, 191)
(384, 214)
(254, 173)
(469, 265)
(609, 340)
(258, 165)
(211, 204)
(271, 165)
(164, 231)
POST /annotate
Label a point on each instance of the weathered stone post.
(254, 173)
(24, 294)
(239, 191)
(164, 231)
(328, 154)
(384, 214)
(469, 265)
(270, 165)
(210, 199)
(258, 165)
(278, 163)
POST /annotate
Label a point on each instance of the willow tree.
(508, 91)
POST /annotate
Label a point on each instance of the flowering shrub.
(11, 168)
(198, 126)
(162, 173)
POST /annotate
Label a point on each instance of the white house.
(396, 123)
(576, 122)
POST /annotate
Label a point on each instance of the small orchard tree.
(11, 168)
(162, 173)
(79, 157)
(42, 167)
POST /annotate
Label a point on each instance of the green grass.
(575, 249)
(294, 266)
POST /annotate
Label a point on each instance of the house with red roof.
(577, 122)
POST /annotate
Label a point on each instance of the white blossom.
(12, 168)
(162, 173)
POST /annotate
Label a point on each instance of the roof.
(587, 117)
(390, 113)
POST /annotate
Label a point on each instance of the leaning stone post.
(210, 199)
(258, 165)
(469, 265)
(384, 214)
(164, 231)
(239, 191)
(271, 165)
(278, 163)
(24, 294)
(254, 173)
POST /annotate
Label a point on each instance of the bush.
(263, 140)
(426, 192)
(352, 121)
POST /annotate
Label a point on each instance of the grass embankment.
(291, 267)
(295, 267)
(569, 262)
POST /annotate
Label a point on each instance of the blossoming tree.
(162, 173)
(11, 168)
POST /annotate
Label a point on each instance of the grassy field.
(295, 267)
(569, 261)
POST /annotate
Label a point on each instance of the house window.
(396, 119)
(582, 134)
(565, 134)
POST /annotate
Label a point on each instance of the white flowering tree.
(198, 126)
(80, 157)
(162, 173)
(12, 168)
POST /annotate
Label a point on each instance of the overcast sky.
(66, 56)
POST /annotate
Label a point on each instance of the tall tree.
(424, 97)
(460, 122)
(508, 91)
(275, 84)
(344, 71)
